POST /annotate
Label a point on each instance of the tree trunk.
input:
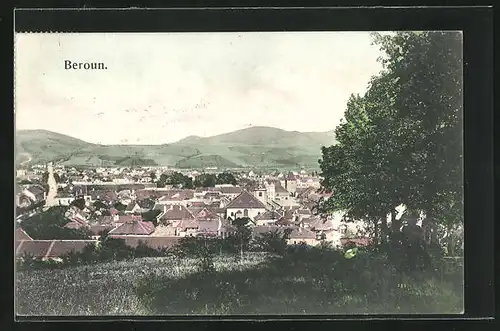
(433, 230)
(395, 224)
(384, 229)
(451, 243)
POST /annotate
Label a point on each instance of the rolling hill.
(251, 147)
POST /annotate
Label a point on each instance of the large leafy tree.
(176, 179)
(205, 180)
(226, 178)
(401, 141)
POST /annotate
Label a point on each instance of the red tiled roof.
(230, 189)
(113, 211)
(177, 195)
(212, 194)
(98, 228)
(20, 234)
(300, 233)
(210, 226)
(198, 204)
(128, 218)
(268, 215)
(187, 224)
(304, 212)
(245, 200)
(50, 248)
(177, 212)
(206, 215)
(279, 189)
(36, 248)
(144, 194)
(133, 228)
(284, 222)
(321, 225)
(63, 247)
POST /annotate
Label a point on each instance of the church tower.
(261, 194)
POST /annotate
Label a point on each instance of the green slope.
(252, 147)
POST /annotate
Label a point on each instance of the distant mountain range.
(252, 147)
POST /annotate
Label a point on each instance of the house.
(105, 196)
(267, 218)
(135, 228)
(230, 192)
(289, 182)
(164, 231)
(209, 223)
(63, 199)
(211, 196)
(35, 193)
(186, 227)
(300, 235)
(132, 208)
(174, 214)
(97, 229)
(303, 193)
(245, 205)
(296, 236)
(176, 197)
(76, 224)
(280, 192)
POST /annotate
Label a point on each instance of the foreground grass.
(106, 288)
(313, 283)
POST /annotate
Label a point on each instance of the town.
(136, 205)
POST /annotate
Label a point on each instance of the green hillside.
(252, 147)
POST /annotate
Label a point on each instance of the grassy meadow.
(315, 282)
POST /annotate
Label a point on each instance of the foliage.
(242, 236)
(176, 179)
(275, 241)
(205, 180)
(79, 203)
(99, 205)
(226, 178)
(120, 206)
(400, 143)
(151, 216)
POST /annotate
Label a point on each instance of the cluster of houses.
(159, 217)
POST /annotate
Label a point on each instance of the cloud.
(180, 84)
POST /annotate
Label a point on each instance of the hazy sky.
(160, 87)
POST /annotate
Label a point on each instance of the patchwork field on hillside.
(252, 147)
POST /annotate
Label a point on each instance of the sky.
(161, 87)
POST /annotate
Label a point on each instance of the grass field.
(257, 284)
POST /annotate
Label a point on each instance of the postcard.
(239, 173)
